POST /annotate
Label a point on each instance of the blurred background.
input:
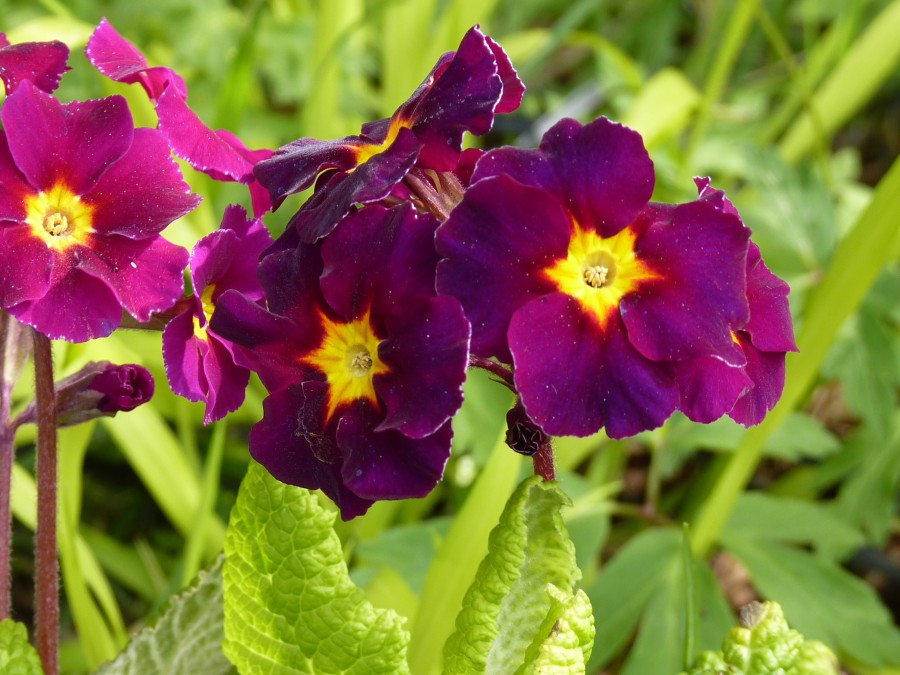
(792, 107)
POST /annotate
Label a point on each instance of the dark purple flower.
(199, 364)
(219, 154)
(99, 389)
(709, 387)
(83, 198)
(462, 93)
(41, 62)
(567, 272)
(363, 362)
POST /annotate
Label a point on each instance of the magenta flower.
(710, 387)
(83, 198)
(41, 62)
(199, 363)
(363, 362)
(567, 272)
(219, 154)
(462, 93)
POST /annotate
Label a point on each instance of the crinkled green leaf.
(766, 645)
(505, 609)
(187, 638)
(290, 606)
(16, 653)
(568, 632)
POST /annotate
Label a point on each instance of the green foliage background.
(793, 107)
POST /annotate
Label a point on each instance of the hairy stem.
(46, 562)
(496, 369)
(8, 360)
(543, 461)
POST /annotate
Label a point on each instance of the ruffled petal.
(708, 388)
(574, 378)
(91, 309)
(293, 444)
(600, 171)
(770, 327)
(699, 293)
(426, 352)
(766, 370)
(227, 381)
(183, 356)
(143, 192)
(496, 244)
(72, 143)
(513, 87)
(43, 63)
(20, 282)
(387, 464)
(13, 187)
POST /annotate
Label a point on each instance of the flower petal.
(183, 356)
(91, 309)
(513, 88)
(426, 352)
(496, 244)
(41, 62)
(575, 379)
(708, 388)
(73, 143)
(387, 464)
(143, 192)
(292, 443)
(770, 326)
(23, 281)
(600, 171)
(13, 187)
(227, 381)
(767, 371)
(700, 292)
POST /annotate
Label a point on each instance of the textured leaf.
(570, 627)
(508, 611)
(186, 639)
(16, 654)
(765, 645)
(290, 606)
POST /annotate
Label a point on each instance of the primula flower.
(41, 62)
(462, 93)
(567, 272)
(710, 387)
(219, 154)
(83, 198)
(199, 364)
(363, 362)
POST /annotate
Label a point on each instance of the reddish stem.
(543, 461)
(7, 450)
(494, 368)
(46, 561)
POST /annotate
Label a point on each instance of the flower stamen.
(595, 276)
(56, 224)
(361, 363)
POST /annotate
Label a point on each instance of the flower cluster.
(411, 260)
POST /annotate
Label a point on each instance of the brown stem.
(46, 562)
(8, 361)
(422, 188)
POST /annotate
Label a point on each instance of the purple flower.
(710, 387)
(593, 294)
(219, 154)
(462, 93)
(41, 62)
(99, 389)
(83, 198)
(199, 363)
(363, 362)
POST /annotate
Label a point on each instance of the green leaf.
(822, 600)
(801, 436)
(187, 638)
(570, 627)
(764, 517)
(504, 610)
(290, 606)
(663, 106)
(765, 644)
(16, 654)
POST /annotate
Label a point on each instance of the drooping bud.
(99, 389)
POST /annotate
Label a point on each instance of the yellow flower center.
(599, 271)
(348, 356)
(208, 309)
(59, 217)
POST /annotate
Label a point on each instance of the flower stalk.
(46, 561)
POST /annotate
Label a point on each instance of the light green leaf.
(663, 107)
(766, 644)
(187, 638)
(16, 654)
(290, 606)
(801, 436)
(570, 627)
(502, 621)
(505, 609)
